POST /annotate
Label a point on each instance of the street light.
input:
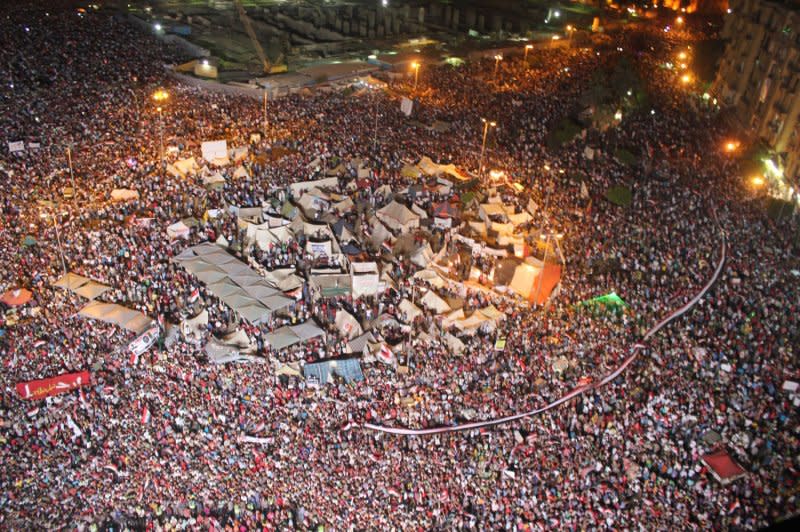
(570, 30)
(528, 48)
(757, 181)
(45, 216)
(159, 96)
(486, 125)
(415, 65)
(686, 78)
(731, 146)
(497, 59)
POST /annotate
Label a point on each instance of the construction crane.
(248, 27)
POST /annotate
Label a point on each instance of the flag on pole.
(145, 415)
(385, 354)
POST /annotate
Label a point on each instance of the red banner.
(53, 385)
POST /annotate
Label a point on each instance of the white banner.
(17, 146)
(406, 106)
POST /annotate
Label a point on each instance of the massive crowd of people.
(622, 456)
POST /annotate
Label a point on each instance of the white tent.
(398, 217)
(431, 276)
(409, 310)
(187, 166)
(124, 194)
(347, 324)
(214, 149)
(83, 286)
(238, 154)
(422, 256)
(240, 173)
(431, 168)
(300, 186)
(365, 278)
(432, 301)
(178, 230)
(289, 335)
(213, 179)
(524, 281)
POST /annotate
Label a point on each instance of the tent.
(293, 334)
(83, 286)
(187, 166)
(431, 168)
(723, 466)
(238, 154)
(365, 278)
(432, 301)
(92, 290)
(610, 301)
(422, 256)
(347, 368)
(16, 297)
(232, 281)
(408, 311)
(129, 319)
(71, 281)
(241, 173)
(178, 230)
(347, 325)
(534, 282)
(215, 179)
(124, 194)
(398, 217)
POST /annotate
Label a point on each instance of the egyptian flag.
(145, 415)
(733, 507)
(194, 295)
(385, 354)
(134, 359)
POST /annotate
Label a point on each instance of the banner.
(40, 389)
(15, 147)
(406, 106)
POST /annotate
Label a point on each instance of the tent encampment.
(398, 217)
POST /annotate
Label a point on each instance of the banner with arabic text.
(39, 389)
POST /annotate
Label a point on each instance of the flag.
(194, 295)
(733, 507)
(385, 354)
(145, 415)
(134, 359)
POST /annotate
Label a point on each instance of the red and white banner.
(40, 389)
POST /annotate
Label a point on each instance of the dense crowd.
(622, 456)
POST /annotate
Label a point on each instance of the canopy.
(187, 166)
(409, 311)
(232, 281)
(432, 301)
(130, 319)
(83, 286)
(124, 194)
(723, 467)
(610, 301)
(293, 334)
(16, 297)
(431, 168)
(178, 230)
(398, 217)
(347, 324)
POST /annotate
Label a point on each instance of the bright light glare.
(757, 181)
(157, 26)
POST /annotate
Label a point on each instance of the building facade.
(759, 76)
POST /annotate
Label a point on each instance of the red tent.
(722, 466)
(16, 297)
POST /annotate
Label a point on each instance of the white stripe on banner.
(635, 350)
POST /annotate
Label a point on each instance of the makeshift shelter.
(531, 280)
(431, 168)
(723, 467)
(238, 154)
(83, 286)
(608, 302)
(124, 194)
(71, 281)
(365, 278)
(398, 217)
(347, 325)
(241, 173)
(320, 372)
(16, 297)
(178, 230)
(213, 180)
(129, 319)
(422, 256)
(409, 311)
(187, 166)
(432, 301)
(293, 334)
(232, 281)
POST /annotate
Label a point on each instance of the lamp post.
(497, 60)
(71, 175)
(160, 96)
(265, 113)
(486, 125)
(415, 66)
(528, 48)
(44, 216)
